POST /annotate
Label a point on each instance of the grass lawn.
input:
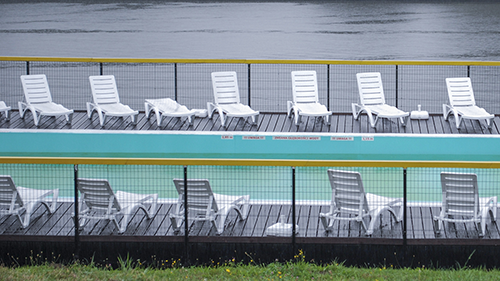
(295, 270)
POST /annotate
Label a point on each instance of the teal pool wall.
(229, 145)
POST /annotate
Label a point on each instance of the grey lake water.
(357, 30)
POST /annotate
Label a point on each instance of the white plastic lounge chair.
(5, 109)
(39, 100)
(98, 201)
(350, 202)
(227, 98)
(305, 97)
(371, 94)
(461, 202)
(168, 107)
(18, 199)
(107, 101)
(462, 102)
(204, 205)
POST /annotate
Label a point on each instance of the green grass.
(294, 270)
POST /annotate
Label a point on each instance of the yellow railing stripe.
(251, 61)
(249, 162)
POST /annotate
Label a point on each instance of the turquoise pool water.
(261, 183)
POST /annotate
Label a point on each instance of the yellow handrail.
(249, 162)
(250, 61)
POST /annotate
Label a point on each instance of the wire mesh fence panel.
(144, 197)
(266, 87)
(248, 199)
(451, 203)
(351, 202)
(36, 199)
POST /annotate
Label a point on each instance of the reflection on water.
(277, 30)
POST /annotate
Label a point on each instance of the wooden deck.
(268, 122)
(59, 227)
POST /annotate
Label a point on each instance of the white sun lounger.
(168, 108)
(17, 199)
(204, 205)
(462, 102)
(227, 98)
(39, 99)
(461, 202)
(5, 109)
(305, 97)
(98, 201)
(372, 100)
(350, 202)
(107, 101)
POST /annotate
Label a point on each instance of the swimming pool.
(262, 183)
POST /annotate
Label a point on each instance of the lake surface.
(357, 30)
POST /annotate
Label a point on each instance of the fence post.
(249, 85)
(77, 222)
(186, 226)
(294, 245)
(405, 200)
(397, 84)
(101, 71)
(328, 86)
(27, 68)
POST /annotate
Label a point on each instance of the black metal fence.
(264, 85)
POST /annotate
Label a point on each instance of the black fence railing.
(264, 84)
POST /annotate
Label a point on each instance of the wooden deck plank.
(420, 225)
(268, 122)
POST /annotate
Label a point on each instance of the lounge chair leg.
(69, 117)
(437, 227)
(325, 223)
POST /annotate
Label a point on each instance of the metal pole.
(249, 86)
(294, 245)
(468, 71)
(397, 86)
(77, 221)
(101, 71)
(27, 68)
(186, 227)
(328, 86)
(405, 200)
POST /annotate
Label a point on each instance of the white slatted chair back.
(8, 194)
(225, 86)
(97, 194)
(305, 87)
(460, 91)
(371, 91)
(460, 194)
(104, 90)
(348, 193)
(36, 89)
(201, 202)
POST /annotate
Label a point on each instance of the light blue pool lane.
(249, 145)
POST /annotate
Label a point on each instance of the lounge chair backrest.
(371, 91)
(348, 193)
(460, 91)
(104, 90)
(305, 86)
(8, 193)
(460, 194)
(36, 89)
(225, 85)
(97, 194)
(200, 197)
